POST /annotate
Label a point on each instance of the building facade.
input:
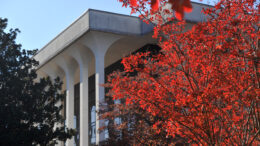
(83, 54)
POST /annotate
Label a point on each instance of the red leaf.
(155, 5)
(181, 6)
(178, 15)
(133, 3)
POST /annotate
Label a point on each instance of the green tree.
(29, 110)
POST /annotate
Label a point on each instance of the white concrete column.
(82, 56)
(100, 94)
(70, 106)
(84, 122)
(69, 69)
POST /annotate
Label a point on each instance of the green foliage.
(29, 110)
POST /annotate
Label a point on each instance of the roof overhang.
(96, 20)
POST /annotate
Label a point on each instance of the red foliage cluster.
(179, 6)
(204, 84)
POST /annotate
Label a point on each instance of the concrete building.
(79, 56)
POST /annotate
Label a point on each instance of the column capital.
(99, 42)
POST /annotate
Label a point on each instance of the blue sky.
(41, 20)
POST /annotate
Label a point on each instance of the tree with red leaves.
(130, 124)
(204, 85)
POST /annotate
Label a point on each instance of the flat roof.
(109, 22)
